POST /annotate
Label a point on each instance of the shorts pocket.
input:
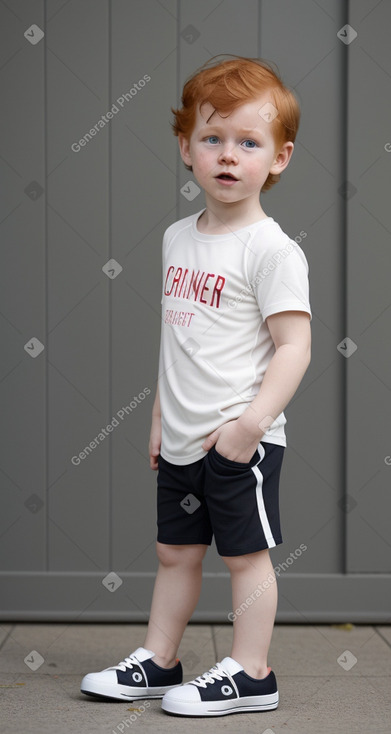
(234, 464)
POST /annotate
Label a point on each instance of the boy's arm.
(291, 333)
(156, 404)
(156, 432)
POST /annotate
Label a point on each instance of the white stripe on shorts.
(260, 503)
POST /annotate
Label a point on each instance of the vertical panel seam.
(178, 94)
(46, 305)
(344, 267)
(110, 309)
(259, 49)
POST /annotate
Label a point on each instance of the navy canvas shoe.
(224, 689)
(137, 676)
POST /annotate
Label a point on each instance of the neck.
(228, 217)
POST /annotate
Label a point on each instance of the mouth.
(226, 177)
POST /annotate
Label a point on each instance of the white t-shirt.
(215, 344)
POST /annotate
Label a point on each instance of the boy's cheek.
(204, 161)
(203, 167)
(261, 169)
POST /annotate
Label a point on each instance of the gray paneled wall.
(368, 466)
(81, 225)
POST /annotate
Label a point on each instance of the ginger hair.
(230, 83)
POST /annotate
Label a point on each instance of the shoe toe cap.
(182, 693)
(104, 676)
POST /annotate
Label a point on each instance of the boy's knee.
(236, 563)
(243, 563)
(174, 555)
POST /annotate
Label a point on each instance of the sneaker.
(224, 689)
(135, 677)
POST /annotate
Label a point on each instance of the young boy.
(235, 346)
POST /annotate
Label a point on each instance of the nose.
(228, 153)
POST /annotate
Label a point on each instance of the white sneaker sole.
(222, 708)
(122, 693)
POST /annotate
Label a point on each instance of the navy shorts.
(236, 502)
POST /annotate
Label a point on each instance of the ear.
(282, 158)
(184, 148)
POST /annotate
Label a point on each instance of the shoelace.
(217, 672)
(126, 663)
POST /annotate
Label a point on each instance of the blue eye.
(212, 139)
(252, 143)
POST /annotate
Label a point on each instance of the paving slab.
(5, 629)
(44, 703)
(315, 649)
(371, 650)
(338, 704)
(87, 648)
(315, 697)
(67, 648)
(196, 651)
(309, 705)
(385, 632)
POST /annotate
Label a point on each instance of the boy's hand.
(155, 440)
(233, 441)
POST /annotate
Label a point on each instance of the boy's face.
(241, 144)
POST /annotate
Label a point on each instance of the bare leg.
(253, 579)
(175, 596)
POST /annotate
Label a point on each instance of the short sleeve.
(280, 281)
(164, 245)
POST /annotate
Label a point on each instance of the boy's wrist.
(252, 425)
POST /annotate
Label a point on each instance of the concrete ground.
(318, 694)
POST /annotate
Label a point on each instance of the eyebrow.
(251, 130)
